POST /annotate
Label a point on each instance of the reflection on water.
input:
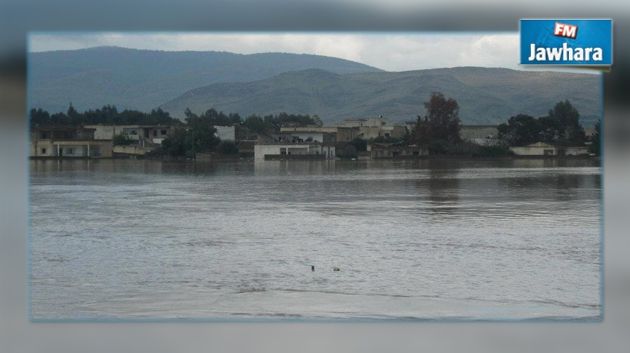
(468, 239)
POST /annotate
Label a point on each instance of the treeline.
(108, 115)
(561, 126)
(439, 130)
(255, 123)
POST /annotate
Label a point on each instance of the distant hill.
(144, 79)
(485, 95)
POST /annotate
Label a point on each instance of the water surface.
(430, 239)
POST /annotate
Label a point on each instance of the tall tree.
(596, 143)
(567, 123)
(439, 129)
(201, 133)
(520, 130)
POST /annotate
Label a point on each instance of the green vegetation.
(198, 135)
(227, 147)
(596, 143)
(561, 126)
(439, 130)
(108, 114)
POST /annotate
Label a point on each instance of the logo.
(565, 30)
(566, 42)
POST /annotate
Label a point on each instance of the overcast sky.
(388, 51)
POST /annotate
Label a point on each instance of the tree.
(439, 130)
(596, 143)
(560, 127)
(108, 114)
(520, 130)
(39, 117)
(72, 113)
(566, 120)
(175, 144)
(201, 133)
(227, 147)
(255, 123)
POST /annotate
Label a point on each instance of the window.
(43, 151)
(163, 132)
(70, 151)
(154, 133)
(43, 135)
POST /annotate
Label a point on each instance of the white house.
(152, 133)
(280, 150)
(226, 133)
(545, 149)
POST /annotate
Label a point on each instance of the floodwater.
(412, 240)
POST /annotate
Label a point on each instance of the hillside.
(485, 95)
(144, 79)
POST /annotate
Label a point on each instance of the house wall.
(262, 150)
(71, 148)
(226, 133)
(380, 151)
(576, 151)
(305, 136)
(333, 133)
(478, 131)
(155, 134)
(131, 150)
(534, 151)
(103, 132)
(369, 132)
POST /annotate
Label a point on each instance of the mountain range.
(485, 95)
(145, 79)
(332, 88)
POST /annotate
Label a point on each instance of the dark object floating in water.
(312, 268)
(336, 269)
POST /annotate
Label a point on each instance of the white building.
(545, 149)
(280, 150)
(374, 127)
(483, 135)
(68, 142)
(226, 133)
(152, 133)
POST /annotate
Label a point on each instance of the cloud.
(388, 51)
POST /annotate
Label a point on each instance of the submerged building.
(548, 150)
(372, 128)
(300, 150)
(483, 135)
(393, 151)
(306, 144)
(143, 134)
(68, 142)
